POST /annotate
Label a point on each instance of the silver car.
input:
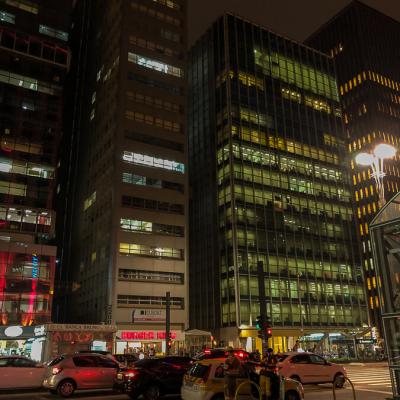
(80, 371)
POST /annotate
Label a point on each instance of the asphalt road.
(371, 383)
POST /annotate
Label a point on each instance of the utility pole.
(167, 322)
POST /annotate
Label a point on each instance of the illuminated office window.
(155, 65)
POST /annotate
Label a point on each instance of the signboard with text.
(366, 341)
(147, 315)
(145, 335)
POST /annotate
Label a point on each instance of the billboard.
(146, 315)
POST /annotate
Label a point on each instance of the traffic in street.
(212, 374)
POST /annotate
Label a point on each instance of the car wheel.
(152, 393)
(296, 378)
(338, 381)
(291, 395)
(66, 388)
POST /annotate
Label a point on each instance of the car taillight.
(56, 370)
(240, 354)
(207, 351)
(131, 374)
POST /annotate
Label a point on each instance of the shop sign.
(80, 328)
(73, 337)
(13, 331)
(16, 331)
(143, 315)
(145, 335)
(39, 330)
(366, 341)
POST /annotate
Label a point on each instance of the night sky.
(295, 19)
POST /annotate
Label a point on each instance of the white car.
(19, 372)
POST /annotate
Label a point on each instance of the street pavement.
(372, 382)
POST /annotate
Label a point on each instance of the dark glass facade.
(34, 59)
(268, 184)
(364, 45)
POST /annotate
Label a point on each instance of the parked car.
(311, 368)
(80, 371)
(220, 353)
(153, 377)
(18, 372)
(125, 359)
(205, 381)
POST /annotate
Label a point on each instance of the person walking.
(296, 346)
(269, 380)
(231, 366)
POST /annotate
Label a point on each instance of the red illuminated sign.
(145, 335)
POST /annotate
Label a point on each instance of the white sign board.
(147, 315)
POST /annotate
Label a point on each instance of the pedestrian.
(296, 346)
(269, 380)
(232, 367)
(141, 354)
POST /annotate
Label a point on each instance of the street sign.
(365, 341)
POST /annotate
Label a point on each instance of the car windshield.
(55, 361)
(281, 357)
(198, 370)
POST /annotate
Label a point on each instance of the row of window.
(152, 120)
(155, 65)
(151, 101)
(132, 225)
(134, 179)
(23, 5)
(150, 45)
(28, 83)
(284, 163)
(27, 169)
(10, 144)
(282, 144)
(7, 17)
(150, 276)
(149, 161)
(169, 3)
(269, 199)
(150, 251)
(55, 33)
(25, 216)
(163, 206)
(293, 72)
(13, 188)
(155, 14)
(154, 140)
(156, 301)
(153, 83)
(31, 46)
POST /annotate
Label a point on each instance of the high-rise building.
(363, 43)
(34, 59)
(269, 187)
(129, 230)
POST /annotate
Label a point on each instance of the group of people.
(269, 380)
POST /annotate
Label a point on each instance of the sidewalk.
(374, 364)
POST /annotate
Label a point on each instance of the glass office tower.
(269, 187)
(364, 45)
(34, 58)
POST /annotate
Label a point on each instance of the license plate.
(119, 376)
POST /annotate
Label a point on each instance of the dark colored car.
(221, 353)
(125, 359)
(153, 377)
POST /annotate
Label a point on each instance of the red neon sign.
(145, 335)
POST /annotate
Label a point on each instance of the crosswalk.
(369, 376)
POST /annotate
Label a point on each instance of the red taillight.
(130, 374)
(207, 351)
(241, 354)
(56, 370)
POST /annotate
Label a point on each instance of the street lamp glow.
(364, 159)
(384, 150)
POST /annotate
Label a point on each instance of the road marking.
(370, 390)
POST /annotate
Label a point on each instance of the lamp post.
(375, 160)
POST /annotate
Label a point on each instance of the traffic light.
(268, 333)
(169, 343)
(259, 326)
(267, 328)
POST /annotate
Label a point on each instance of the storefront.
(69, 338)
(148, 341)
(22, 340)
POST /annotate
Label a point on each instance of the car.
(19, 372)
(205, 381)
(80, 371)
(153, 377)
(310, 368)
(220, 353)
(125, 359)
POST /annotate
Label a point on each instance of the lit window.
(155, 65)
(89, 201)
(58, 34)
(7, 17)
(142, 159)
(169, 3)
(150, 251)
(24, 5)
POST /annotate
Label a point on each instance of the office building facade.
(363, 43)
(129, 228)
(34, 61)
(269, 188)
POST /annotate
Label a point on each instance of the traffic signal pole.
(167, 322)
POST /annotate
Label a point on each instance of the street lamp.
(375, 161)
